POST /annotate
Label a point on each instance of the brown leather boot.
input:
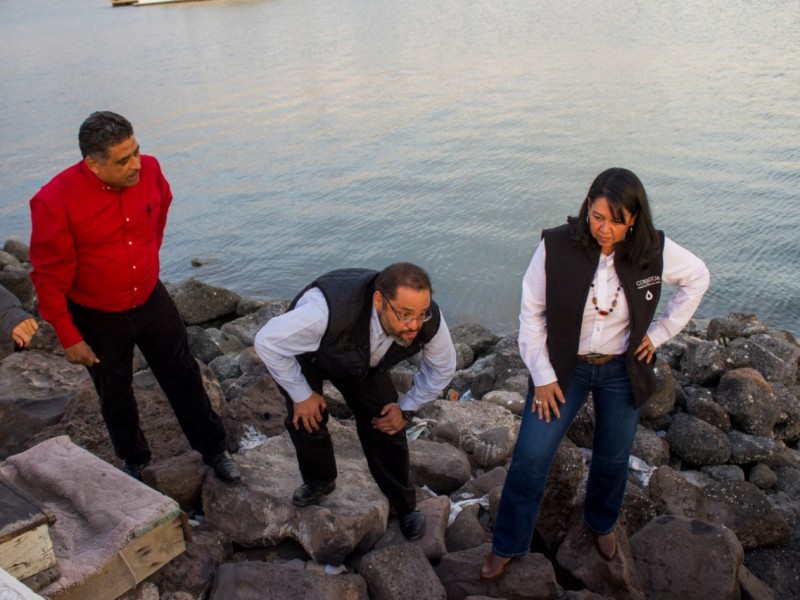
(494, 567)
(606, 544)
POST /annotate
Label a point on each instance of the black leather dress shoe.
(413, 525)
(134, 470)
(224, 466)
(306, 496)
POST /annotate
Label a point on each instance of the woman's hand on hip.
(646, 351)
(546, 399)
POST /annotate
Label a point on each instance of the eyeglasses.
(407, 318)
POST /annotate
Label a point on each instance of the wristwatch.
(409, 414)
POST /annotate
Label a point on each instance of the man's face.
(121, 168)
(403, 315)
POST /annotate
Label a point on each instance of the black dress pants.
(157, 329)
(387, 455)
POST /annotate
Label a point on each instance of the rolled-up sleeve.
(436, 369)
(533, 323)
(285, 337)
(691, 277)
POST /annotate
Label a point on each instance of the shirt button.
(135, 289)
(127, 219)
(134, 266)
(130, 243)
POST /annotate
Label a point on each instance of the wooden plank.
(142, 557)
(9, 586)
(28, 553)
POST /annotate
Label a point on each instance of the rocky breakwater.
(711, 510)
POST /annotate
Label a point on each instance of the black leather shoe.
(224, 466)
(413, 525)
(134, 470)
(306, 496)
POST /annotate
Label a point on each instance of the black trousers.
(157, 329)
(387, 455)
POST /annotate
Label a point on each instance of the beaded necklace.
(600, 311)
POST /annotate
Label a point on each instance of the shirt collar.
(376, 332)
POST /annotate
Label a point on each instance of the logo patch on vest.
(643, 283)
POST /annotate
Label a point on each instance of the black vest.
(344, 348)
(570, 269)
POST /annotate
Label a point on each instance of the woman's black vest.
(344, 348)
(570, 270)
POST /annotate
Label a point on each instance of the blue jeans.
(616, 418)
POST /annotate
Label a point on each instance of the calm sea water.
(305, 135)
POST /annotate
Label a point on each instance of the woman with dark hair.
(586, 325)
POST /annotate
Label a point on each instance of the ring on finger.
(538, 402)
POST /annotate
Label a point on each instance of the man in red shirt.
(97, 229)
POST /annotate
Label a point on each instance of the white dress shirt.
(301, 329)
(607, 334)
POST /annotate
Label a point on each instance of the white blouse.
(607, 334)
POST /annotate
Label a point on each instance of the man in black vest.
(350, 326)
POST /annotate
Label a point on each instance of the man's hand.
(23, 332)
(391, 420)
(309, 412)
(81, 354)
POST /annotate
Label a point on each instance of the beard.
(395, 335)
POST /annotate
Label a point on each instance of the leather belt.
(597, 359)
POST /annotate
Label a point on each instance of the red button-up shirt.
(96, 245)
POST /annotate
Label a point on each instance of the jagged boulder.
(677, 557)
(258, 511)
(485, 432)
(199, 302)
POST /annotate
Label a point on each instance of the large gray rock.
(34, 394)
(477, 337)
(436, 510)
(528, 578)
(650, 447)
(18, 250)
(750, 448)
(245, 328)
(662, 402)
(272, 581)
(787, 399)
(467, 531)
(258, 511)
(678, 557)
(697, 442)
(437, 465)
(735, 325)
(776, 566)
(773, 357)
(401, 572)
(700, 403)
(202, 347)
(674, 495)
(255, 401)
(564, 481)
(704, 362)
(199, 302)
(788, 481)
(485, 432)
(180, 478)
(481, 485)
(744, 509)
(507, 361)
(749, 401)
(616, 578)
(512, 401)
